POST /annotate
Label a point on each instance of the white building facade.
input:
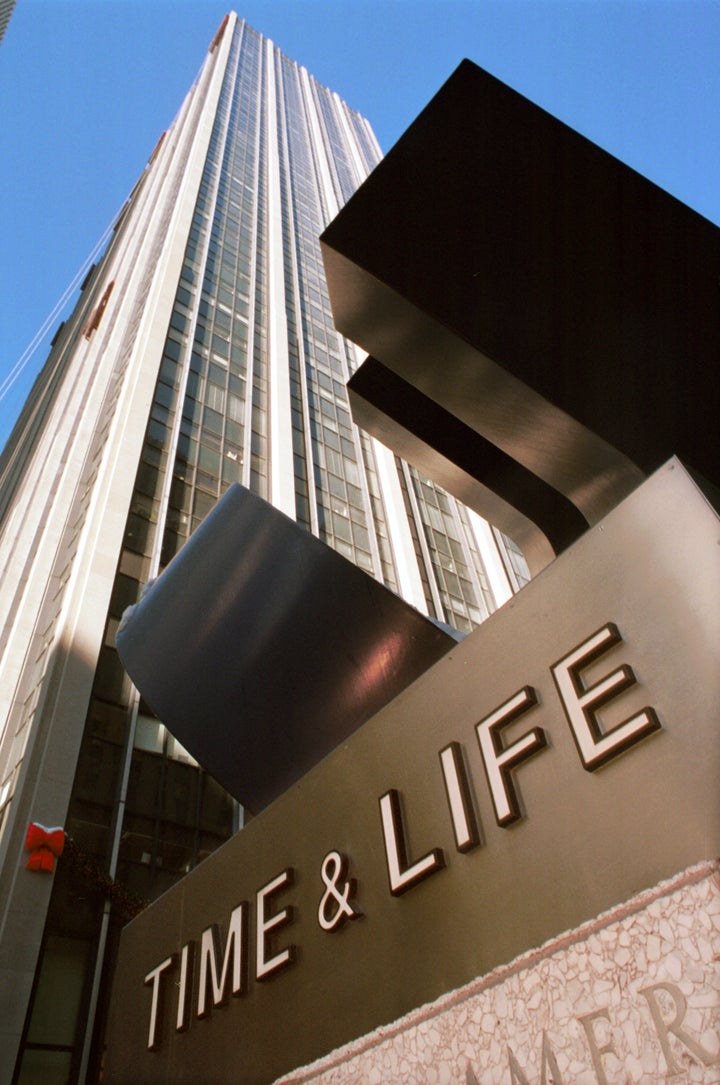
(201, 353)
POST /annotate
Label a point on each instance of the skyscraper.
(6, 9)
(201, 352)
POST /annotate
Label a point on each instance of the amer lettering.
(664, 1028)
(597, 1049)
(598, 1028)
(549, 1063)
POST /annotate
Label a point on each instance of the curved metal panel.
(261, 649)
(539, 518)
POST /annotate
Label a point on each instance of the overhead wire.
(41, 334)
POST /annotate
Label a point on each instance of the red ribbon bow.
(44, 844)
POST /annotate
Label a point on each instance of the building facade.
(201, 353)
(6, 10)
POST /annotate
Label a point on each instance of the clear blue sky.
(87, 86)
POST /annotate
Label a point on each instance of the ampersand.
(336, 905)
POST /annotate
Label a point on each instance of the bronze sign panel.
(560, 759)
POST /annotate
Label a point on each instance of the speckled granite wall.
(631, 998)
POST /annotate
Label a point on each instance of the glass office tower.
(6, 10)
(201, 353)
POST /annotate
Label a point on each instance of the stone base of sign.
(632, 997)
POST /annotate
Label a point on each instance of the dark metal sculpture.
(555, 307)
(262, 649)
